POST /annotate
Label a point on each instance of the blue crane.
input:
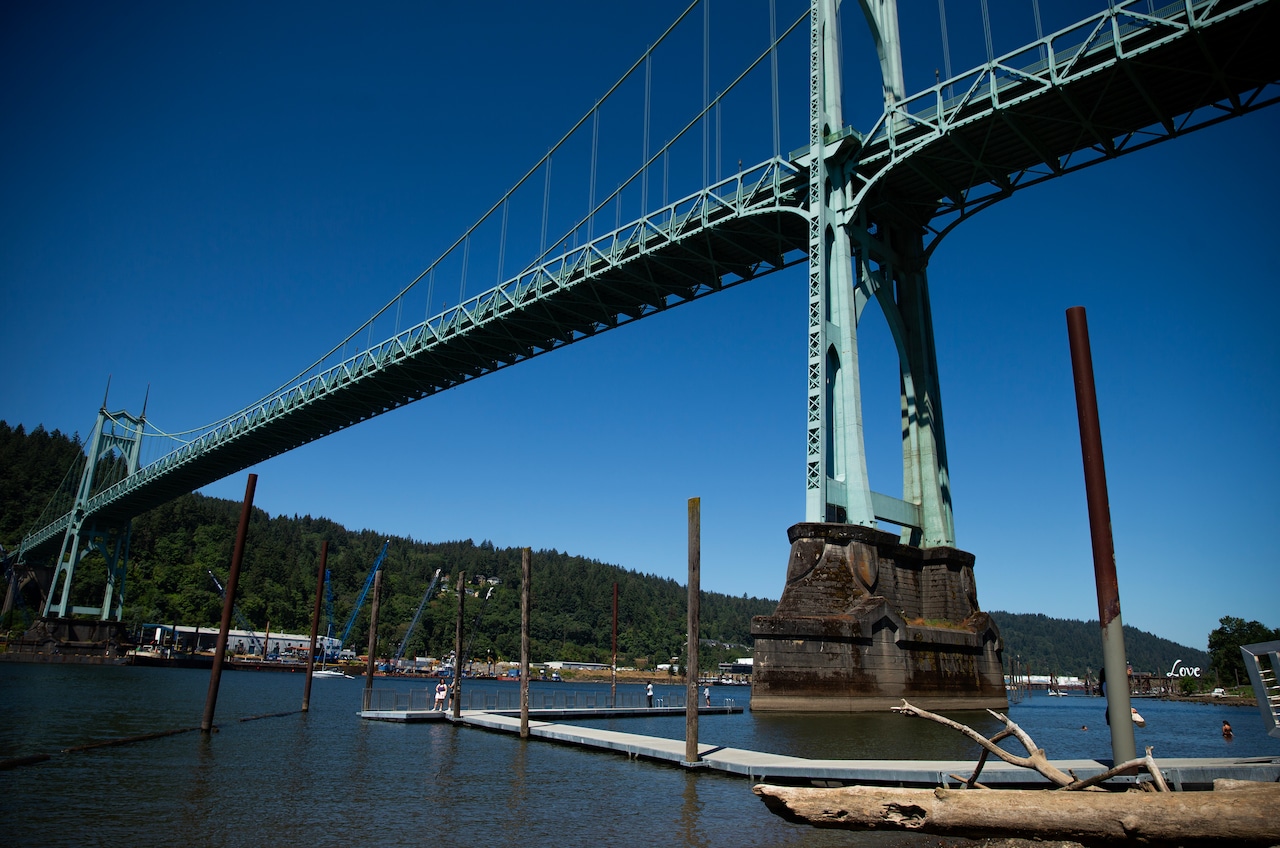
(240, 619)
(327, 650)
(377, 563)
(404, 643)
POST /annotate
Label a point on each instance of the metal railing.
(417, 700)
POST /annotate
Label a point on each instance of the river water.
(328, 778)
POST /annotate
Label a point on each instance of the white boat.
(1137, 718)
(331, 672)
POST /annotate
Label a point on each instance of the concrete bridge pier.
(865, 621)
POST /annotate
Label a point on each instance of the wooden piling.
(1114, 664)
(613, 675)
(228, 603)
(691, 667)
(526, 568)
(315, 626)
(457, 648)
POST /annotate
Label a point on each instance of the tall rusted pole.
(371, 663)
(526, 570)
(228, 603)
(613, 687)
(691, 667)
(457, 649)
(1114, 664)
(315, 626)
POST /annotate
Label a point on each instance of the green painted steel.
(116, 442)
(932, 160)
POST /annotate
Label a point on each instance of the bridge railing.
(771, 183)
(1122, 29)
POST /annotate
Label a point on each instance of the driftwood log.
(1235, 813)
(1241, 815)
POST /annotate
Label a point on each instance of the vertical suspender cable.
(666, 169)
(431, 289)
(648, 87)
(706, 85)
(502, 242)
(946, 46)
(986, 30)
(773, 63)
(717, 138)
(595, 156)
(466, 255)
(1035, 9)
(546, 205)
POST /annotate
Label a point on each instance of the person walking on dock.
(648, 691)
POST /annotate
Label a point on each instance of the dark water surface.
(327, 778)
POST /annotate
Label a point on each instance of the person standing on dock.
(648, 691)
(442, 692)
(706, 694)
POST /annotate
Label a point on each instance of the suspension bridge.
(863, 210)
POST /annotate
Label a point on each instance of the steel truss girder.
(931, 161)
(741, 228)
(1118, 82)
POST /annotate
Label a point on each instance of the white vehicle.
(1219, 693)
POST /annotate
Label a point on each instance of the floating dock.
(759, 767)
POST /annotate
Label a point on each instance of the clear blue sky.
(203, 200)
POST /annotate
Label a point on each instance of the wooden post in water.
(1114, 664)
(457, 649)
(372, 661)
(691, 667)
(526, 568)
(315, 626)
(613, 687)
(228, 603)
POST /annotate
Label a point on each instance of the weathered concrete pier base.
(865, 621)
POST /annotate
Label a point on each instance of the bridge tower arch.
(854, 262)
(868, 617)
(114, 451)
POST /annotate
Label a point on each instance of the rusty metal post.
(526, 569)
(691, 667)
(228, 602)
(613, 687)
(457, 648)
(315, 626)
(1119, 712)
(372, 661)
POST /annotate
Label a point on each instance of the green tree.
(1225, 659)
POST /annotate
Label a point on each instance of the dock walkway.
(757, 766)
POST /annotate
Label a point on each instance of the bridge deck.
(758, 766)
(1099, 90)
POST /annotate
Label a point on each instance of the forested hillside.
(1068, 647)
(175, 547)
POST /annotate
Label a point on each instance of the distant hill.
(175, 546)
(1070, 647)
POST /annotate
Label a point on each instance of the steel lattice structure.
(1117, 82)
